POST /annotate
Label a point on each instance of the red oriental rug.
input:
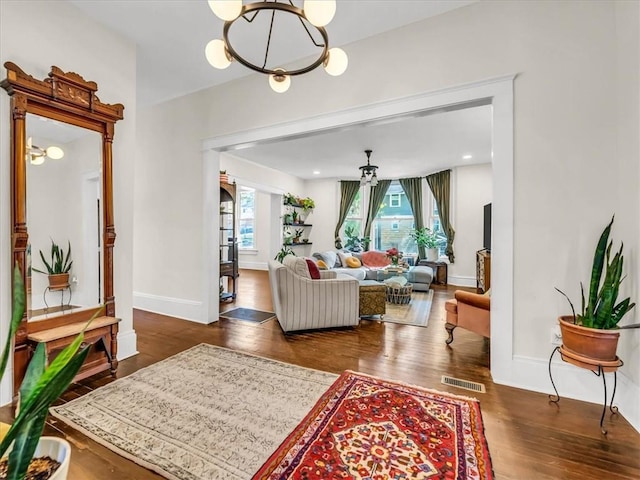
(371, 429)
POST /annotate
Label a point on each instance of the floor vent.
(466, 384)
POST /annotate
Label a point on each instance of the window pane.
(246, 218)
(356, 207)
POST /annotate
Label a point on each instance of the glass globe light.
(55, 153)
(216, 53)
(279, 82)
(374, 180)
(336, 62)
(319, 12)
(37, 159)
(226, 10)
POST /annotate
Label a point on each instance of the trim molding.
(173, 307)
(579, 384)
(127, 344)
(252, 265)
(461, 281)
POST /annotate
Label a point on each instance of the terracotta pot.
(59, 281)
(599, 345)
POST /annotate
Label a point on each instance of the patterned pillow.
(374, 258)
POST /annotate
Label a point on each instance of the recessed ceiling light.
(467, 157)
(316, 172)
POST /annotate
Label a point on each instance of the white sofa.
(304, 304)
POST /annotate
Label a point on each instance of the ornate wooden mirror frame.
(68, 98)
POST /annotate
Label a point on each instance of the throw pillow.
(328, 257)
(313, 269)
(374, 258)
(353, 262)
(343, 258)
(322, 265)
(297, 265)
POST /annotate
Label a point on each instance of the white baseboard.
(173, 307)
(461, 281)
(253, 265)
(576, 383)
(127, 342)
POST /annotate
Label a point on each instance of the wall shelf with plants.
(295, 223)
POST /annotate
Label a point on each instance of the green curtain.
(440, 185)
(348, 191)
(413, 188)
(375, 200)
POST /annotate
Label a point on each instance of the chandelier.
(37, 155)
(368, 172)
(315, 13)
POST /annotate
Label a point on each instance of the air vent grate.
(466, 384)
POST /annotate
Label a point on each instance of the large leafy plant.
(60, 261)
(602, 310)
(41, 386)
(354, 242)
(425, 237)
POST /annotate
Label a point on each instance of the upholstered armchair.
(301, 303)
(468, 310)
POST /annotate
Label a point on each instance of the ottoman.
(373, 296)
(422, 278)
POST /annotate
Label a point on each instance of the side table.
(440, 269)
(599, 369)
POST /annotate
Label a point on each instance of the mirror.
(62, 190)
(64, 206)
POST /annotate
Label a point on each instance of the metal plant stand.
(598, 369)
(61, 290)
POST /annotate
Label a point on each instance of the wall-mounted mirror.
(64, 209)
(62, 195)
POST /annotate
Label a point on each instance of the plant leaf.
(596, 271)
(17, 312)
(24, 447)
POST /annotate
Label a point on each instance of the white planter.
(57, 449)
(433, 254)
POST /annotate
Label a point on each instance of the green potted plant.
(284, 251)
(58, 267)
(427, 238)
(592, 336)
(307, 204)
(288, 238)
(289, 199)
(298, 235)
(41, 386)
(354, 242)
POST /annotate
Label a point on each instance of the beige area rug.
(206, 413)
(415, 312)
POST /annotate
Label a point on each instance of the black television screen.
(487, 227)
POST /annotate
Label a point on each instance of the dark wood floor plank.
(528, 437)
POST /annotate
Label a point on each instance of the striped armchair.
(304, 304)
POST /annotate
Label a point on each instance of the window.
(434, 222)
(246, 218)
(354, 216)
(394, 222)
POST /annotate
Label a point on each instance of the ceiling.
(170, 36)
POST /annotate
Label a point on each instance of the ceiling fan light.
(319, 12)
(55, 153)
(216, 53)
(336, 62)
(279, 82)
(374, 180)
(226, 10)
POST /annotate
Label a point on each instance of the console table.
(599, 369)
(440, 269)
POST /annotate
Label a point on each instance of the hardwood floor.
(528, 437)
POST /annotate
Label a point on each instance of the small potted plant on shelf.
(298, 235)
(592, 336)
(59, 266)
(41, 386)
(288, 238)
(307, 204)
(289, 199)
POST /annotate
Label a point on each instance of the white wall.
(326, 194)
(566, 135)
(79, 45)
(472, 189)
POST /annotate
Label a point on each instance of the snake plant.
(60, 261)
(41, 386)
(601, 309)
